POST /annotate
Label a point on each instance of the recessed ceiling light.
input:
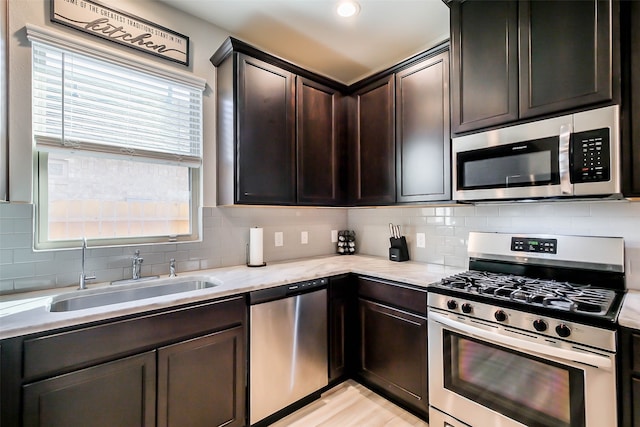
(347, 9)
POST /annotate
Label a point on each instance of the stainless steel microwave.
(576, 155)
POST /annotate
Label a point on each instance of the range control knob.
(540, 325)
(466, 308)
(563, 330)
(452, 304)
(500, 316)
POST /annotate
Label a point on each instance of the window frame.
(42, 223)
(40, 158)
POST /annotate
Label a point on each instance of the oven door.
(490, 375)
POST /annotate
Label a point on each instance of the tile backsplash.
(226, 234)
(446, 229)
(224, 243)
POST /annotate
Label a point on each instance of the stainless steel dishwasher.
(288, 346)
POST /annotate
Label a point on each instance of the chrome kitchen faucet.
(83, 276)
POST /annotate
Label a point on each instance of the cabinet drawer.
(394, 294)
(65, 351)
(635, 344)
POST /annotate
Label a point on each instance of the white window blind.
(82, 103)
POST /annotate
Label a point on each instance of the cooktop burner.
(551, 294)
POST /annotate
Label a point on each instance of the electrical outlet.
(334, 236)
(420, 240)
(304, 237)
(279, 238)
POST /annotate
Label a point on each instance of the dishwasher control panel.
(292, 289)
(309, 284)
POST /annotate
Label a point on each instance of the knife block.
(398, 250)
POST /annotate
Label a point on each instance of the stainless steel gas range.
(527, 336)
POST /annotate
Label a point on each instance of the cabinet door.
(423, 146)
(484, 64)
(318, 143)
(201, 381)
(266, 133)
(342, 319)
(120, 393)
(635, 401)
(565, 55)
(393, 353)
(374, 159)
(630, 14)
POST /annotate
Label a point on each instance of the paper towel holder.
(252, 265)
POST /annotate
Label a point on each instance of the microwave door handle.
(564, 154)
(522, 345)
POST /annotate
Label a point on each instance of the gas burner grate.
(531, 291)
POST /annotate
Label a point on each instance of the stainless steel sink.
(96, 298)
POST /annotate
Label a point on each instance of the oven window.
(531, 163)
(533, 391)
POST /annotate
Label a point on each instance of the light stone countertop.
(630, 314)
(27, 313)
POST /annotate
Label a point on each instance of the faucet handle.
(82, 281)
(172, 267)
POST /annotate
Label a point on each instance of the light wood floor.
(351, 405)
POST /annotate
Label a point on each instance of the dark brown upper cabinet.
(256, 132)
(515, 60)
(373, 144)
(278, 138)
(484, 64)
(565, 55)
(319, 117)
(286, 136)
(630, 15)
(423, 144)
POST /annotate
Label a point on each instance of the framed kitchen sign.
(91, 17)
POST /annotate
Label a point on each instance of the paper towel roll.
(255, 246)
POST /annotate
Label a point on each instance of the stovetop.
(548, 294)
(576, 278)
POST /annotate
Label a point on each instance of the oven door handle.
(540, 349)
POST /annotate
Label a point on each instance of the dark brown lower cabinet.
(342, 321)
(120, 393)
(183, 366)
(197, 381)
(629, 395)
(393, 351)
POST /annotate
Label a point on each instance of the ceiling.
(310, 34)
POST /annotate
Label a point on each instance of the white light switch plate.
(304, 237)
(420, 240)
(334, 236)
(279, 238)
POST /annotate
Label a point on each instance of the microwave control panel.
(591, 154)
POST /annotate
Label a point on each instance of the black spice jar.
(346, 242)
